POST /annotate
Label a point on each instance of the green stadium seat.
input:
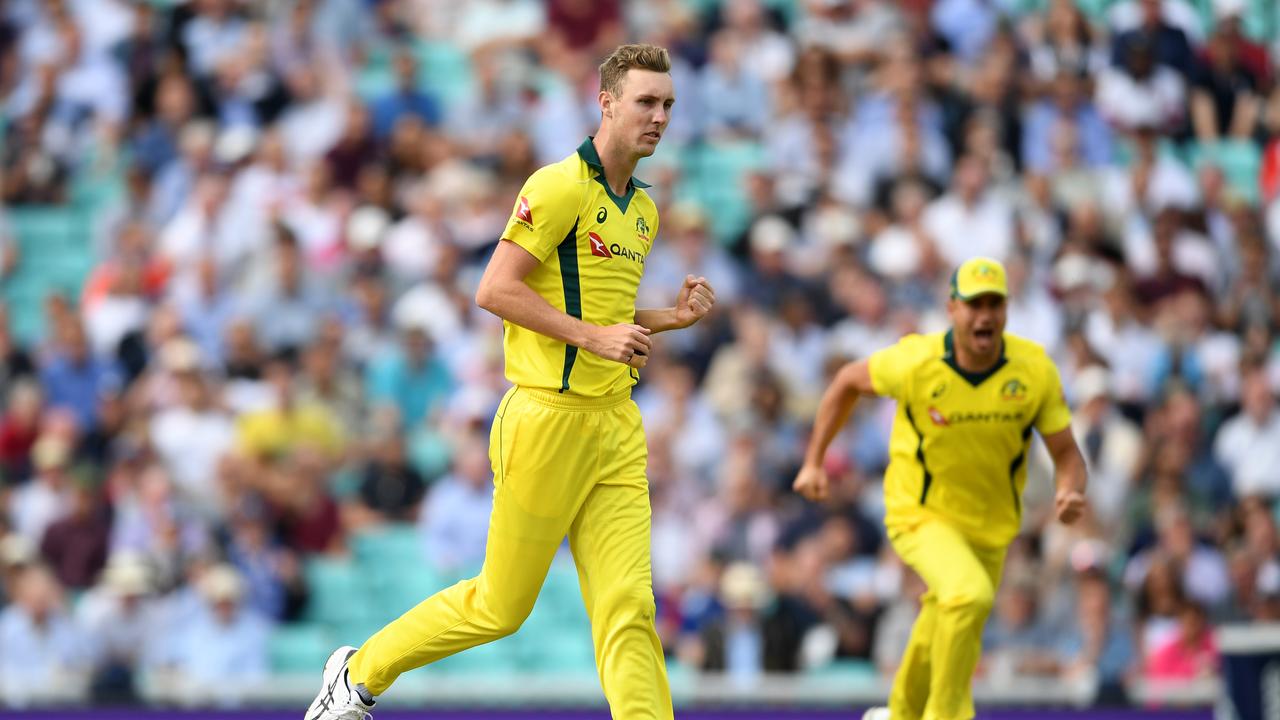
(1240, 162)
(400, 586)
(561, 596)
(714, 175)
(445, 71)
(1095, 10)
(340, 596)
(54, 242)
(398, 542)
(376, 77)
(563, 652)
(299, 648)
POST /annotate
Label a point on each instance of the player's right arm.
(504, 293)
(851, 382)
(543, 216)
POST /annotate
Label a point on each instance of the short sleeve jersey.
(959, 442)
(592, 245)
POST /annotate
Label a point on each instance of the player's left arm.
(695, 300)
(1069, 475)
(1053, 422)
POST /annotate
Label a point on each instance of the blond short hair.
(642, 57)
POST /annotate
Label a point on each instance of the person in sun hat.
(968, 399)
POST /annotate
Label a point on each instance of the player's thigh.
(542, 474)
(954, 571)
(544, 459)
(610, 540)
(610, 535)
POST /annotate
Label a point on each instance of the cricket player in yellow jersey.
(968, 400)
(567, 445)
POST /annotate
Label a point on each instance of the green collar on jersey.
(587, 151)
(974, 379)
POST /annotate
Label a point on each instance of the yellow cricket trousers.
(935, 678)
(562, 465)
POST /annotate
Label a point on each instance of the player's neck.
(978, 363)
(619, 165)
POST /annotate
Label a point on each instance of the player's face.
(979, 323)
(641, 113)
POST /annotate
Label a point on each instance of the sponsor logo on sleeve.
(524, 214)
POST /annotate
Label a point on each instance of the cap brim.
(979, 293)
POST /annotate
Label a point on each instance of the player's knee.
(508, 622)
(976, 598)
(507, 617)
(627, 604)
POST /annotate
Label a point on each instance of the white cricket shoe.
(338, 700)
(876, 713)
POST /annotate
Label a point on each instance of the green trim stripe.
(568, 253)
(928, 478)
(1013, 471)
(587, 151)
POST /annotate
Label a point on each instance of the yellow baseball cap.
(979, 276)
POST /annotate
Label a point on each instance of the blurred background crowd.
(245, 393)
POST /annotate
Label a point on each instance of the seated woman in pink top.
(1191, 654)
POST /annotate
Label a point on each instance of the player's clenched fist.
(695, 300)
(625, 343)
(1069, 505)
(812, 483)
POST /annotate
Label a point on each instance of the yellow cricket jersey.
(959, 440)
(593, 246)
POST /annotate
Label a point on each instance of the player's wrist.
(586, 337)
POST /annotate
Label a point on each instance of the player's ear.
(606, 104)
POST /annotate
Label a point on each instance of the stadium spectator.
(41, 651)
(227, 638)
(117, 616)
(47, 496)
(1247, 444)
(454, 518)
(75, 545)
(1192, 653)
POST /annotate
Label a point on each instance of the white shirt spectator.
(1131, 350)
(111, 318)
(36, 657)
(209, 41)
(488, 21)
(191, 442)
(1251, 453)
(412, 248)
(36, 505)
(96, 84)
(1169, 184)
(1130, 103)
(961, 231)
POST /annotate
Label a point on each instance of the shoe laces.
(352, 712)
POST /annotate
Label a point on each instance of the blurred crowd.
(277, 349)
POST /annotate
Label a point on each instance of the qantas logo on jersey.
(961, 418)
(598, 248)
(523, 212)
